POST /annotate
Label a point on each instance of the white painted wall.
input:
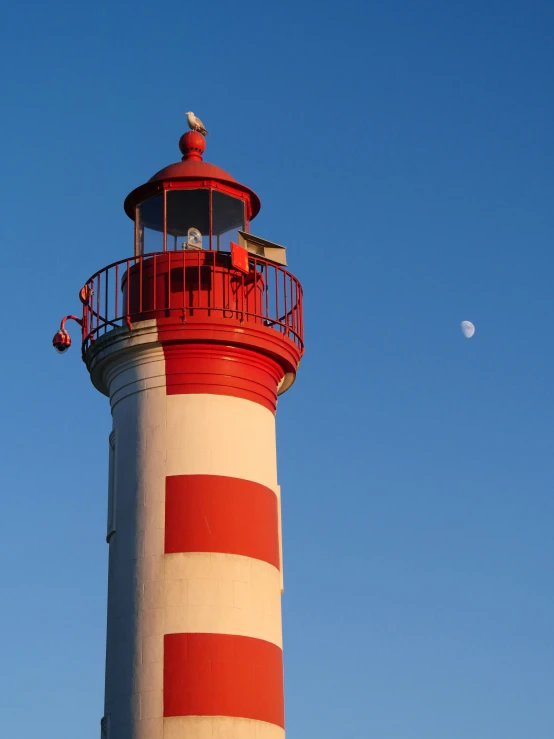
(151, 594)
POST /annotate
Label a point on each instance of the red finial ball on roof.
(192, 145)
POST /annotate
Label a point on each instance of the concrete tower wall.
(194, 644)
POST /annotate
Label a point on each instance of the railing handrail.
(275, 303)
(137, 257)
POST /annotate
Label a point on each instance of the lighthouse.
(193, 337)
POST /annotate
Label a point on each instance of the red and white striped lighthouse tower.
(192, 339)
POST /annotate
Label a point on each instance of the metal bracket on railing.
(70, 318)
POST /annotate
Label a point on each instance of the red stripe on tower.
(223, 675)
(212, 513)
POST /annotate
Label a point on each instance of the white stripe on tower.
(194, 612)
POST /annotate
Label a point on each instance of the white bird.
(195, 124)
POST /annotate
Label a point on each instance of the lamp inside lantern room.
(164, 222)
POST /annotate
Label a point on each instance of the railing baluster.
(116, 291)
(141, 259)
(106, 297)
(128, 273)
(211, 267)
(91, 301)
(155, 306)
(98, 304)
(243, 301)
(266, 290)
(277, 298)
(285, 304)
(225, 291)
(199, 282)
(184, 284)
(217, 285)
(291, 320)
(169, 281)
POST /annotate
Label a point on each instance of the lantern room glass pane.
(227, 219)
(149, 225)
(187, 209)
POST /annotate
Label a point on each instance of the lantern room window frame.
(169, 186)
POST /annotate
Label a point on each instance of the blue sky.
(404, 154)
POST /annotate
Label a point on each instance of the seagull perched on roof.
(195, 124)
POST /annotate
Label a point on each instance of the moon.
(468, 329)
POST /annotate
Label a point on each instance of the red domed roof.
(192, 146)
(191, 167)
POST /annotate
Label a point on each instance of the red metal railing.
(191, 286)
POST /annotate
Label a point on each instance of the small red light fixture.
(62, 340)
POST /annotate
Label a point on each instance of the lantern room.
(191, 204)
